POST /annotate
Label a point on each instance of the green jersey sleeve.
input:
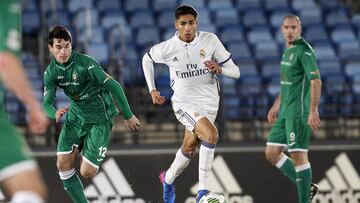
(308, 61)
(49, 95)
(104, 80)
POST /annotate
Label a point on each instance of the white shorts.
(189, 115)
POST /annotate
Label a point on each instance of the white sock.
(302, 167)
(281, 162)
(206, 158)
(26, 197)
(64, 175)
(178, 165)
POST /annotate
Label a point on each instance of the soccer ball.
(212, 197)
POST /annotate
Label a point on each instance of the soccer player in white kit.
(194, 59)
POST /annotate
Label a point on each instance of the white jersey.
(191, 81)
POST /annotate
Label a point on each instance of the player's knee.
(63, 165)
(214, 137)
(299, 158)
(188, 151)
(271, 157)
(87, 173)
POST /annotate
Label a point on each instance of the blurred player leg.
(31, 189)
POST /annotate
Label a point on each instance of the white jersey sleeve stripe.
(221, 63)
(150, 57)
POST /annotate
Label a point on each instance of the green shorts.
(10, 29)
(292, 133)
(14, 152)
(92, 139)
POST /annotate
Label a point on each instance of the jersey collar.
(67, 64)
(195, 40)
(299, 40)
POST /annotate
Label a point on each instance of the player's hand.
(60, 112)
(314, 119)
(272, 115)
(133, 123)
(213, 66)
(38, 121)
(156, 98)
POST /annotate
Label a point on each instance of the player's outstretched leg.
(73, 186)
(314, 188)
(168, 189)
(206, 158)
(200, 194)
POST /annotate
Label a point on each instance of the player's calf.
(87, 171)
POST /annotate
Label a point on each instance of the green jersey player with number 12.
(89, 120)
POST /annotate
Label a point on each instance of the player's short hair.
(292, 16)
(185, 10)
(59, 32)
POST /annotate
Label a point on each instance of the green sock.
(75, 189)
(303, 182)
(287, 168)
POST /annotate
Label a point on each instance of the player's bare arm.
(314, 119)
(60, 112)
(133, 123)
(273, 112)
(14, 79)
(213, 66)
(157, 98)
(37, 121)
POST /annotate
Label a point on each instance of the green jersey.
(10, 32)
(10, 29)
(298, 67)
(89, 88)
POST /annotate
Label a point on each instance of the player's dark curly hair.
(59, 32)
(185, 10)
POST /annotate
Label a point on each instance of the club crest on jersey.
(202, 53)
(196, 114)
(74, 76)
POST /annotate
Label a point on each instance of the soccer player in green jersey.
(294, 114)
(19, 174)
(93, 98)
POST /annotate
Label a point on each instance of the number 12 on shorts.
(102, 151)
